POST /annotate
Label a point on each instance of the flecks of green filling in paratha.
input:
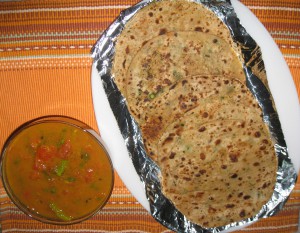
(184, 85)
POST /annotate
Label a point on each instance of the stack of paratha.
(184, 84)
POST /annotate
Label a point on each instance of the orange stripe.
(288, 50)
(281, 27)
(286, 41)
(36, 83)
(272, 18)
(296, 75)
(32, 28)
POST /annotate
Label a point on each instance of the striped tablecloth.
(45, 67)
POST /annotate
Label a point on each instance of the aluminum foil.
(161, 208)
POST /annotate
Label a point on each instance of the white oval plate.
(280, 82)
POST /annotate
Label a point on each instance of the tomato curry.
(58, 171)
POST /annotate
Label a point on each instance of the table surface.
(45, 67)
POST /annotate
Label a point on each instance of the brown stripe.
(276, 3)
(34, 4)
(67, 15)
(275, 26)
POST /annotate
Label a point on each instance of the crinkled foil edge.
(161, 208)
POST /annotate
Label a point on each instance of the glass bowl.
(57, 170)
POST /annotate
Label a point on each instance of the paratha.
(217, 161)
(158, 18)
(154, 115)
(151, 83)
(183, 80)
(165, 59)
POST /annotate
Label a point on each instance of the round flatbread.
(166, 59)
(183, 80)
(154, 115)
(218, 163)
(214, 173)
(159, 18)
(157, 80)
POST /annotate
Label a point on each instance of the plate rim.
(268, 46)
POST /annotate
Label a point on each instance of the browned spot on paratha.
(184, 83)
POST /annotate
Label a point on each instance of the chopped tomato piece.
(43, 154)
(39, 165)
(65, 150)
(46, 152)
